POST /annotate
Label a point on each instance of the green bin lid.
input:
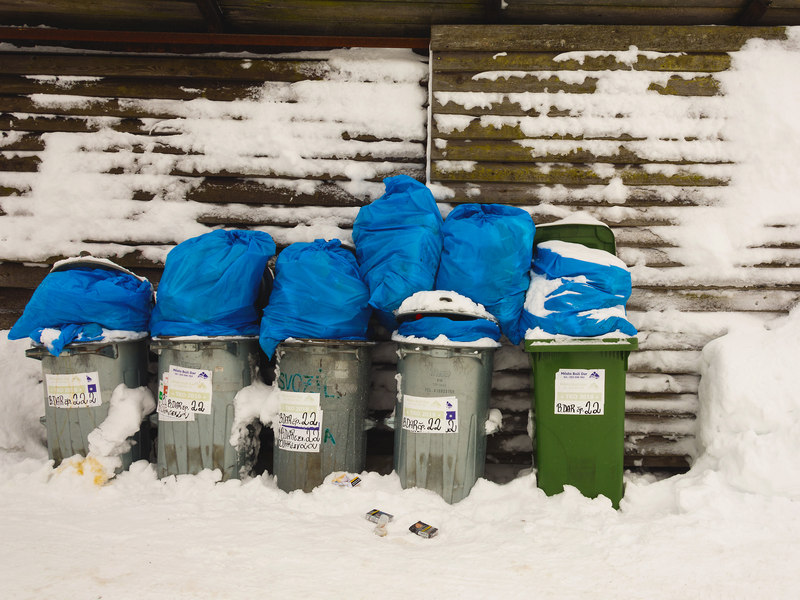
(574, 344)
(592, 235)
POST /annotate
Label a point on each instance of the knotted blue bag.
(398, 240)
(211, 283)
(591, 288)
(82, 301)
(487, 257)
(318, 294)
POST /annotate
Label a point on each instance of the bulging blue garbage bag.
(211, 283)
(468, 330)
(577, 291)
(318, 294)
(398, 244)
(486, 257)
(81, 302)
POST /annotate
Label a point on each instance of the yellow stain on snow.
(86, 467)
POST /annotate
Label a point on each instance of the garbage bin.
(579, 393)
(78, 385)
(198, 381)
(579, 413)
(440, 417)
(322, 410)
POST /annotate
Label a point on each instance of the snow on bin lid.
(91, 262)
(577, 218)
(441, 302)
(582, 253)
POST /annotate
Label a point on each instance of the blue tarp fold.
(398, 244)
(211, 283)
(586, 293)
(80, 302)
(487, 257)
(318, 294)
(468, 330)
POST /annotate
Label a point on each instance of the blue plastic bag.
(318, 294)
(468, 330)
(80, 302)
(587, 293)
(211, 283)
(398, 240)
(487, 257)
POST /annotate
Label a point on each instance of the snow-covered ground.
(729, 528)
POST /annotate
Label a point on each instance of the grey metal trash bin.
(323, 406)
(198, 381)
(440, 417)
(78, 385)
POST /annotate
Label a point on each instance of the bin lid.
(574, 344)
(441, 303)
(91, 262)
(580, 229)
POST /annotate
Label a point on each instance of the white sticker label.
(580, 392)
(73, 390)
(299, 422)
(430, 415)
(171, 410)
(189, 388)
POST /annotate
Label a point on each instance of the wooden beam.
(212, 15)
(143, 40)
(753, 12)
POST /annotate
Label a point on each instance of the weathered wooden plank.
(662, 383)
(10, 161)
(17, 190)
(277, 217)
(162, 67)
(655, 258)
(252, 191)
(46, 124)
(576, 196)
(501, 127)
(475, 62)
(12, 303)
(23, 142)
(174, 89)
(103, 107)
(352, 18)
(512, 82)
(713, 300)
(704, 85)
(17, 275)
(147, 15)
(266, 170)
(568, 38)
(447, 171)
(574, 152)
(443, 104)
(588, 14)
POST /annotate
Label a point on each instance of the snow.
(729, 528)
(438, 301)
(109, 440)
(583, 253)
(275, 135)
